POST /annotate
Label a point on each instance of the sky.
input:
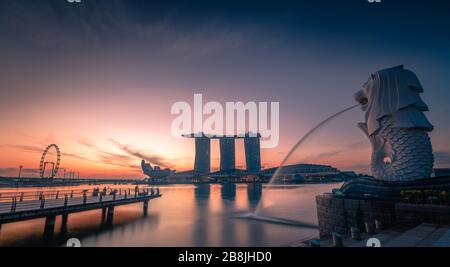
(99, 77)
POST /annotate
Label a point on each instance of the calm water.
(204, 215)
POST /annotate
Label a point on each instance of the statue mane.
(395, 92)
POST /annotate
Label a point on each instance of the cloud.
(72, 24)
(153, 159)
(49, 139)
(40, 150)
(57, 24)
(86, 142)
(126, 160)
(359, 145)
(321, 156)
(14, 172)
(116, 159)
(32, 149)
(9, 171)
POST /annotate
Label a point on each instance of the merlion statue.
(396, 126)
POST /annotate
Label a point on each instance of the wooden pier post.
(49, 228)
(110, 216)
(145, 208)
(104, 216)
(65, 218)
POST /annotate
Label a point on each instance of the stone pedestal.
(339, 214)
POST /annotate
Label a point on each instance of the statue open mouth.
(364, 101)
(361, 98)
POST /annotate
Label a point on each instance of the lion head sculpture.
(393, 92)
(396, 125)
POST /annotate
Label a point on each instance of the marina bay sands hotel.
(202, 163)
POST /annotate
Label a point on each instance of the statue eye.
(387, 161)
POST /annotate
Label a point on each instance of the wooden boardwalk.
(15, 207)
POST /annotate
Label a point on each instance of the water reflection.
(228, 191)
(200, 233)
(202, 191)
(201, 215)
(254, 191)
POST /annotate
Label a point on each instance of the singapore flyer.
(46, 162)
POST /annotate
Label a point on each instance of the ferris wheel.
(54, 165)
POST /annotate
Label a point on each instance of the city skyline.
(99, 79)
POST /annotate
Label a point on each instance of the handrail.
(56, 194)
(66, 190)
(43, 201)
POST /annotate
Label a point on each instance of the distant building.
(202, 163)
(227, 154)
(300, 173)
(304, 169)
(350, 174)
(155, 173)
(253, 154)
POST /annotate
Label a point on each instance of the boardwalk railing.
(29, 200)
(20, 206)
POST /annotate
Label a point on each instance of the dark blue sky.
(390, 22)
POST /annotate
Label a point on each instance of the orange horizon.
(104, 161)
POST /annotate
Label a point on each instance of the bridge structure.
(202, 164)
(16, 207)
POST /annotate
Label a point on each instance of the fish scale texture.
(410, 150)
